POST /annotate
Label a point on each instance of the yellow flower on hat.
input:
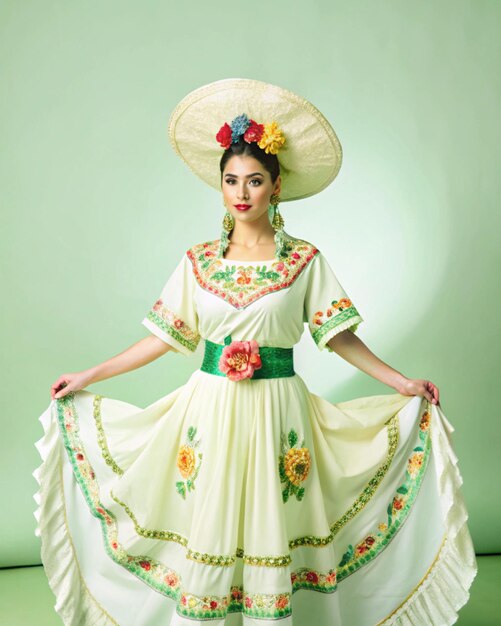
(272, 139)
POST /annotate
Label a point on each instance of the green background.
(96, 209)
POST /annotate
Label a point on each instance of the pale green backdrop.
(96, 209)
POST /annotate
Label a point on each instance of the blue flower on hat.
(238, 126)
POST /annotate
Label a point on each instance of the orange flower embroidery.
(336, 305)
(424, 424)
(186, 463)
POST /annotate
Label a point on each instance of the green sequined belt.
(245, 359)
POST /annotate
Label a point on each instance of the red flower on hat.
(239, 359)
(224, 136)
(254, 132)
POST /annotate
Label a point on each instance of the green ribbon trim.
(276, 362)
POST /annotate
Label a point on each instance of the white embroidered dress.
(246, 502)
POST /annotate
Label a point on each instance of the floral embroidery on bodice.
(241, 285)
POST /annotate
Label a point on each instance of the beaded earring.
(277, 221)
(228, 224)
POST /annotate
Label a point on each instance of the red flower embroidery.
(312, 577)
(145, 565)
(236, 593)
(248, 602)
(239, 359)
(213, 604)
(398, 503)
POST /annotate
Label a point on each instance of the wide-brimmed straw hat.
(311, 154)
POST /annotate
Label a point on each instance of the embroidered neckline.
(240, 283)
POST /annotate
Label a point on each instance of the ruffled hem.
(444, 589)
(74, 603)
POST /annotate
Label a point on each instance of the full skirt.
(249, 502)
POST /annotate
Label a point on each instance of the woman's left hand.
(419, 387)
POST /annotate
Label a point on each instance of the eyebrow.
(248, 175)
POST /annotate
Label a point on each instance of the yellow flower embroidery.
(297, 464)
(414, 463)
(293, 465)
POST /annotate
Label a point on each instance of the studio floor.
(26, 599)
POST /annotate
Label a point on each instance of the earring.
(278, 220)
(275, 198)
(228, 222)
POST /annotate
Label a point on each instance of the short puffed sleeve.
(327, 308)
(173, 317)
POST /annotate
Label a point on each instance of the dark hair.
(242, 148)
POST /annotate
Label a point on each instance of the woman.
(240, 488)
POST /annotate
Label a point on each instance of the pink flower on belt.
(239, 359)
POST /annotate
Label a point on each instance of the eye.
(257, 180)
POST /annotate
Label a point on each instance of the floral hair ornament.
(239, 359)
(269, 136)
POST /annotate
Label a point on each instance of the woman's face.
(246, 181)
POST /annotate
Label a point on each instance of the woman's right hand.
(70, 382)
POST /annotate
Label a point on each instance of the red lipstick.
(242, 207)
